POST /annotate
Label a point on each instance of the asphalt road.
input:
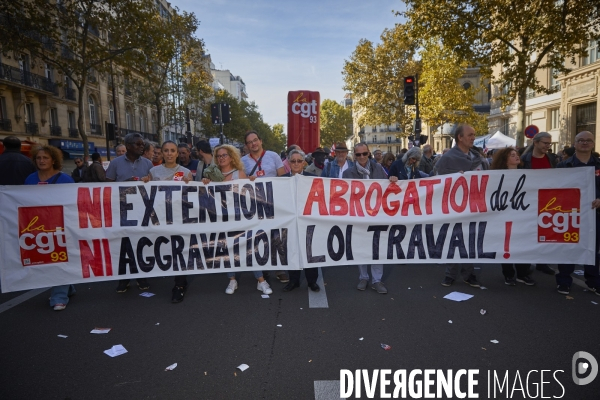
(210, 333)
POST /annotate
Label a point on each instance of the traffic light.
(225, 113)
(409, 90)
(214, 113)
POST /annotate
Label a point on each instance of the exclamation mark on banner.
(507, 240)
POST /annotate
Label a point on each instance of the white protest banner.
(505, 216)
(60, 234)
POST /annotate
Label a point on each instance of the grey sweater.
(455, 161)
(377, 172)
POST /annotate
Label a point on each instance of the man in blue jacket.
(335, 168)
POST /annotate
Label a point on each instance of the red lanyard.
(259, 161)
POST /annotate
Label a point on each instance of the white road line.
(318, 299)
(327, 390)
(20, 299)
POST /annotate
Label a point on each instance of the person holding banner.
(262, 163)
(296, 161)
(584, 144)
(508, 158)
(229, 167)
(407, 167)
(130, 167)
(171, 171)
(365, 168)
(460, 158)
(48, 161)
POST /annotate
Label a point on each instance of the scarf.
(365, 172)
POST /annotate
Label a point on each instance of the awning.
(102, 152)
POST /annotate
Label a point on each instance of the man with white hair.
(364, 168)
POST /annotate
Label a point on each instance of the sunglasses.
(296, 161)
(361, 154)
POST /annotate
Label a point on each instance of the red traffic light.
(409, 79)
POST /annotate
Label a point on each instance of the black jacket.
(573, 162)
(15, 168)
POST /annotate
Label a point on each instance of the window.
(29, 114)
(111, 113)
(53, 117)
(93, 118)
(72, 122)
(374, 138)
(592, 53)
(467, 86)
(49, 73)
(128, 119)
(389, 139)
(153, 123)
(505, 126)
(530, 93)
(142, 123)
(554, 84)
(389, 150)
(3, 114)
(528, 119)
(555, 118)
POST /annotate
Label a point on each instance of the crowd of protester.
(139, 159)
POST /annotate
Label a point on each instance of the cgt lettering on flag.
(42, 235)
(558, 215)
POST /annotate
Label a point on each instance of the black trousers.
(181, 280)
(311, 275)
(508, 270)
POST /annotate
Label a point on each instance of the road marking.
(327, 390)
(20, 299)
(318, 299)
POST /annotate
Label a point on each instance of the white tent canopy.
(499, 141)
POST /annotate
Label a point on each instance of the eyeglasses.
(223, 155)
(585, 141)
(296, 161)
(253, 141)
(365, 154)
(546, 143)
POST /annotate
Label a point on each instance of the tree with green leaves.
(519, 37)
(77, 37)
(441, 96)
(374, 75)
(336, 122)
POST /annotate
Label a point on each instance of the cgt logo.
(558, 215)
(42, 235)
(579, 367)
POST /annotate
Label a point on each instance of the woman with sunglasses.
(229, 167)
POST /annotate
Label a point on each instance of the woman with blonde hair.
(228, 167)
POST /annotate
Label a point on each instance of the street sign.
(531, 131)
(214, 141)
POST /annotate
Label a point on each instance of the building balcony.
(73, 133)
(32, 128)
(55, 130)
(385, 141)
(26, 78)
(96, 129)
(5, 125)
(70, 94)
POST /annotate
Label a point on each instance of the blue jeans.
(376, 272)
(60, 294)
(257, 274)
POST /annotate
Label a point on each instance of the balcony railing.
(5, 125)
(31, 128)
(392, 141)
(70, 94)
(55, 130)
(96, 129)
(73, 133)
(26, 78)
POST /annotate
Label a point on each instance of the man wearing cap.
(318, 164)
(335, 168)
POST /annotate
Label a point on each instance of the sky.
(281, 46)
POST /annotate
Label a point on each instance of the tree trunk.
(521, 100)
(80, 123)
